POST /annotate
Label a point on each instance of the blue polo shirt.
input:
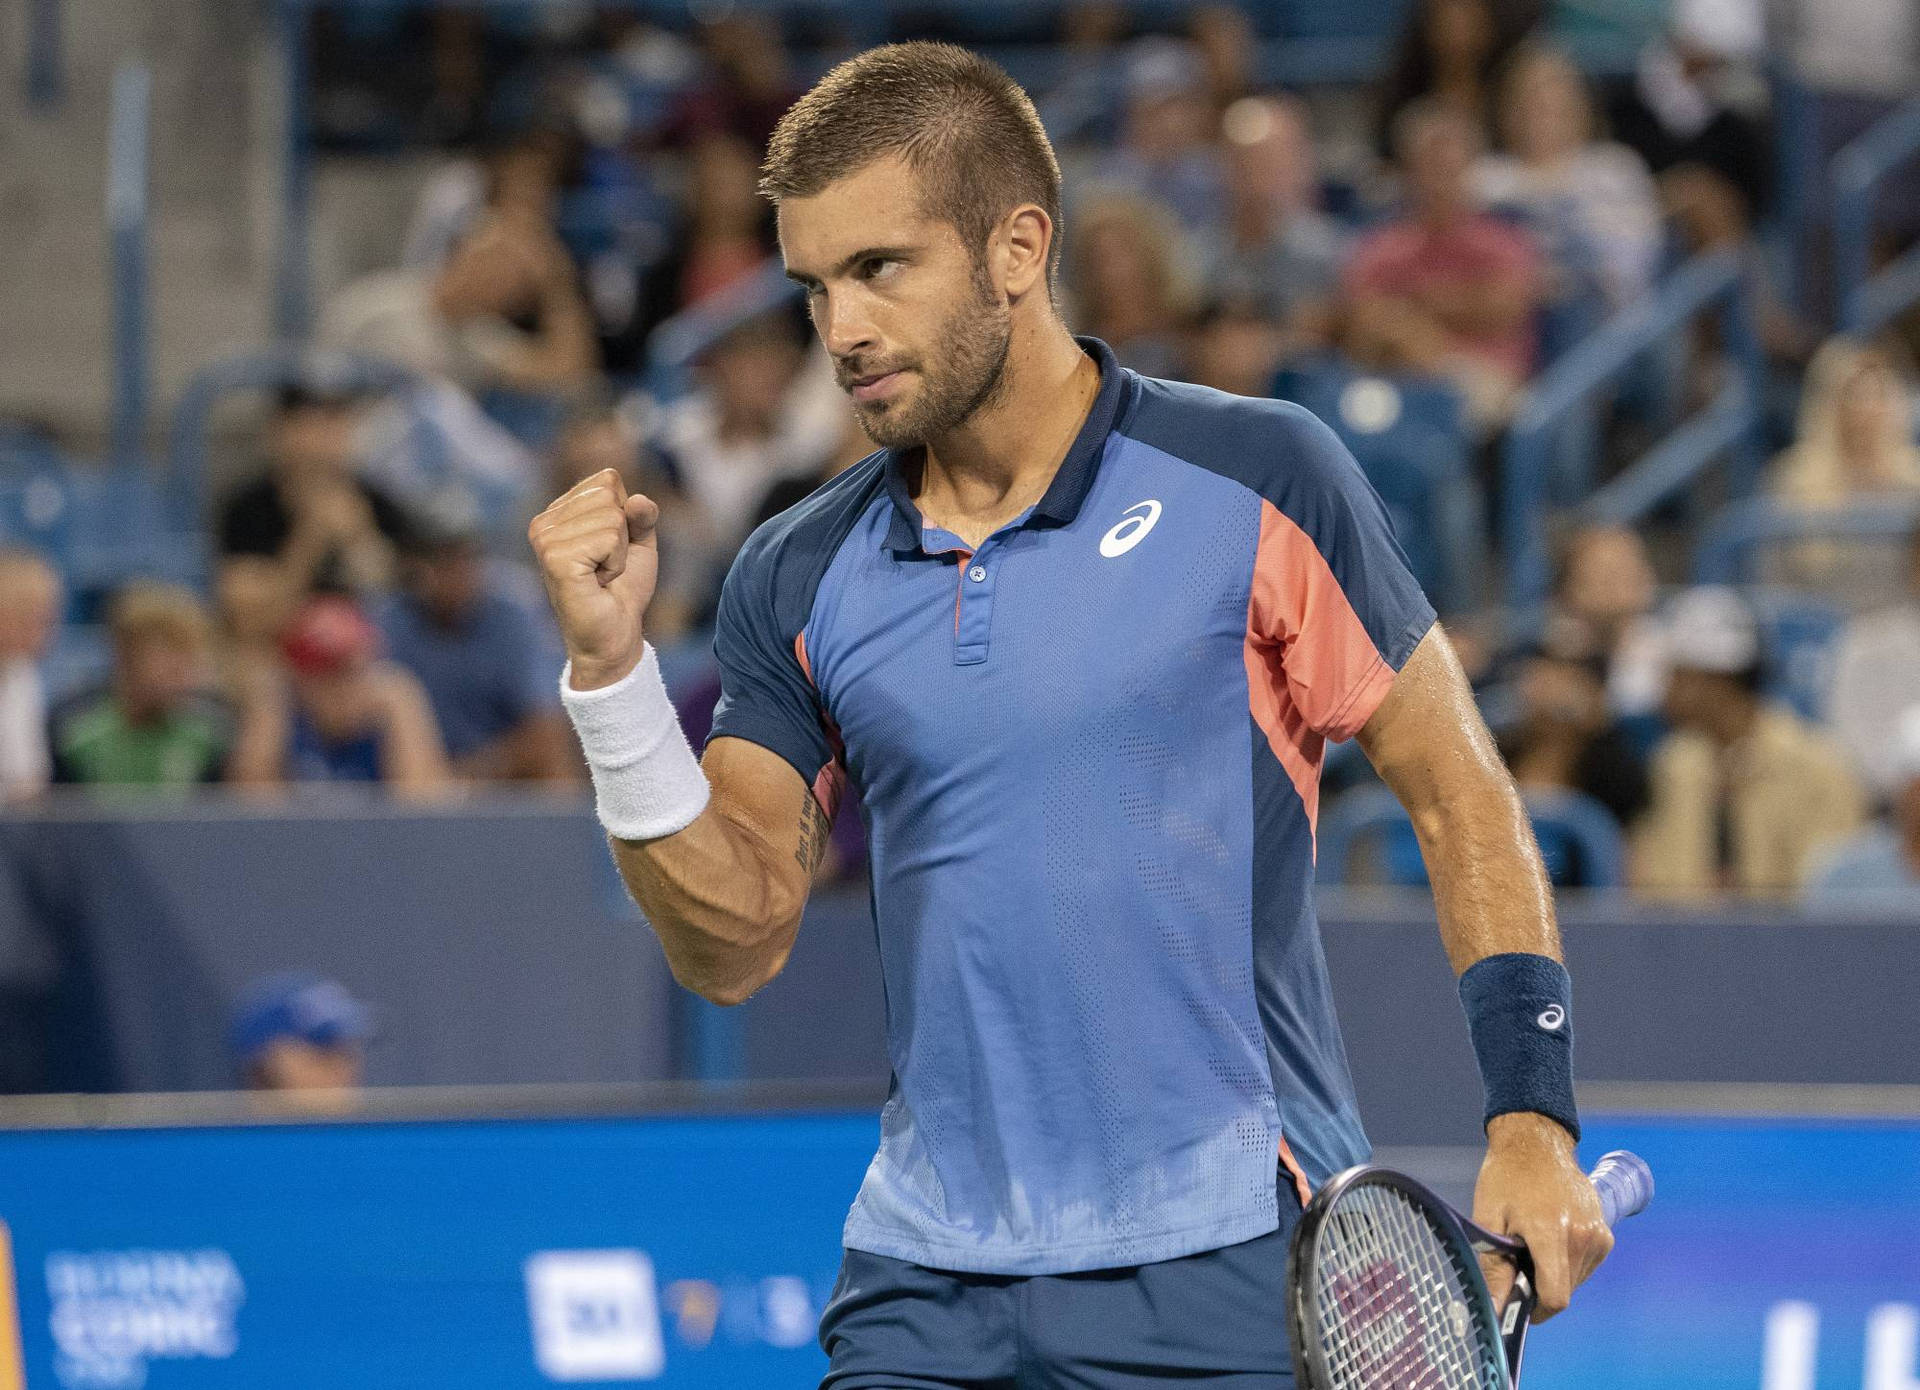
(1088, 753)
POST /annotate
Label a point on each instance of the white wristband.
(646, 781)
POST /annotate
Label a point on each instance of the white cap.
(1731, 29)
(1712, 628)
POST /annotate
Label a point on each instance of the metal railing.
(128, 142)
(1721, 557)
(46, 78)
(1717, 281)
(1867, 301)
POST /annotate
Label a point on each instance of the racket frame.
(1509, 1323)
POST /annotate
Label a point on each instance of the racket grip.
(1625, 1185)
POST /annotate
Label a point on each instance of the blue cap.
(306, 1007)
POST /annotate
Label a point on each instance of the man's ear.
(1026, 238)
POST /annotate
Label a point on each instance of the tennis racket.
(1386, 1290)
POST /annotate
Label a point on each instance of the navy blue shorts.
(1215, 1319)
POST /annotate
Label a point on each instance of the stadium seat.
(1409, 437)
(36, 499)
(1799, 631)
(1579, 840)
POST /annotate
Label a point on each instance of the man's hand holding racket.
(1531, 1187)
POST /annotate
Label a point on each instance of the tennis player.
(1079, 637)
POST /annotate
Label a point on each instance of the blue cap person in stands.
(299, 1032)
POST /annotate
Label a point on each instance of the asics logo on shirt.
(1132, 529)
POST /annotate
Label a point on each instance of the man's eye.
(878, 268)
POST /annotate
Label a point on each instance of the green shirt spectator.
(153, 723)
(95, 740)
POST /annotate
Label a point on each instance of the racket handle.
(1625, 1185)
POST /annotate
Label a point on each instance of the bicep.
(1426, 738)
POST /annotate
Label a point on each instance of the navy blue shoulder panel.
(1292, 459)
(765, 695)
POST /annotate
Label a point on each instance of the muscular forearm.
(1431, 746)
(1489, 885)
(725, 917)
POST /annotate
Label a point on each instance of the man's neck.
(1000, 461)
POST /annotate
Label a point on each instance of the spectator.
(1592, 204)
(765, 407)
(1602, 609)
(154, 724)
(1564, 738)
(1746, 795)
(517, 181)
(478, 652)
(1686, 107)
(299, 1032)
(1856, 435)
(1876, 678)
(1446, 289)
(1228, 46)
(1855, 444)
(1126, 268)
(749, 83)
(342, 714)
(457, 323)
(1276, 257)
(1451, 52)
(1880, 866)
(321, 526)
(725, 236)
(29, 614)
(1166, 151)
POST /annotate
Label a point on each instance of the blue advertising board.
(687, 1252)
(697, 1251)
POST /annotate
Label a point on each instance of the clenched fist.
(600, 558)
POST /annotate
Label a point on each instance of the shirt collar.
(1071, 483)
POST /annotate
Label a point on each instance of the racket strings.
(1392, 1302)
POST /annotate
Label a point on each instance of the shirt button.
(977, 573)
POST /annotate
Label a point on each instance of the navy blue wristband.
(1520, 1013)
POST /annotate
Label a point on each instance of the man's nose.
(844, 330)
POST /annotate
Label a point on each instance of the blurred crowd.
(1452, 231)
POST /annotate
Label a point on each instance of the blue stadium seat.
(1579, 839)
(1799, 631)
(36, 500)
(1410, 439)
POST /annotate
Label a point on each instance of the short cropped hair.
(961, 124)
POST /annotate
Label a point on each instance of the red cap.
(328, 635)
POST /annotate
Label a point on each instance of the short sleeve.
(766, 696)
(1334, 601)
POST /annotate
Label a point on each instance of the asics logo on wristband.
(1551, 1018)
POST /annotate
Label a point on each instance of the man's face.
(157, 674)
(1270, 159)
(917, 329)
(311, 441)
(293, 1064)
(749, 373)
(1438, 155)
(1692, 696)
(29, 613)
(449, 581)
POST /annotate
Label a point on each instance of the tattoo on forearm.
(814, 827)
